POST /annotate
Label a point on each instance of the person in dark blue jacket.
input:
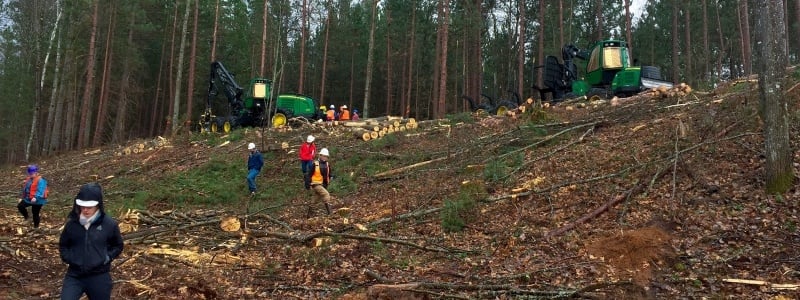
(254, 163)
(90, 241)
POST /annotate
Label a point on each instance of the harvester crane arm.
(228, 85)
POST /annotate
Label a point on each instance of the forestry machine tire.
(279, 119)
(505, 106)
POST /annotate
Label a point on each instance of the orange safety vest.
(331, 114)
(316, 177)
(345, 115)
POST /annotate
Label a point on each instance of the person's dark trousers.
(96, 287)
(306, 165)
(35, 209)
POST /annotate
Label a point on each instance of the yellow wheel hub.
(501, 110)
(214, 127)
(226, 127)
(278, 120)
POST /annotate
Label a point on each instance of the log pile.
(679, 90)
(375, 128)
(139, 147)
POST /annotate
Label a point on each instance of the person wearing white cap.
(344, 113)
(307, 152)
(318, 178)
(330, 115)
(89, 242)
(254, 163)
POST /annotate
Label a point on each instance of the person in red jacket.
(307, 152)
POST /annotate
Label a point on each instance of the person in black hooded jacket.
(90, 241)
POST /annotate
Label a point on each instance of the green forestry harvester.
(609, 72)
(250, 107)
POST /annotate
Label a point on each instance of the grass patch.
(459, 211)
(464, 117)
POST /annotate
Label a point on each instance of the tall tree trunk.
(154, 110)
(521, 50)
(192, 65)
(443, 36)
(171, 90)
(706, 49)
(721, 40)
(771, 61)
(561, 22)
(744, 34)
(179, 76)
(598, 12)
(86, 102)
(370, 58)
(38, 69)
(303, 39)
(797, 21)
(324, 74)
(688, 44)
(214, 34)
(389, 78)
(675, 38)
(56, 104)
(410, 74)
(102, 105)
(436, 65)
(540, 38)
(261, 68)
(51, 107)
(628, 27)
(121, 120)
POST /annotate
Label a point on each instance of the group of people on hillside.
(315, 166)
(343, 114)
(89, 240)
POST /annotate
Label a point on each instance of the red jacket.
(307, 151)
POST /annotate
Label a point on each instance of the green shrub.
(458, 212)
(464, 117)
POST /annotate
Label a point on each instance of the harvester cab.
(608, 72)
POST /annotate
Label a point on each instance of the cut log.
(362, 135)
(374, 135)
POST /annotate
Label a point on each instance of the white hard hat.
(310, 139)
(344, 106)
(251, 146)
(324, 152)
(333, 106)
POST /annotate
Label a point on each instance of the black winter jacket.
(90, 252)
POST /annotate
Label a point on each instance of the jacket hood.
(88, 192)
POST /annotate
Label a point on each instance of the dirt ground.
(649, 198)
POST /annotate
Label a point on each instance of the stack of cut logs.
(375, 128)
(140, 147)
(678, 90)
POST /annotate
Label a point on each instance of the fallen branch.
(596, 212)
(416, 165)
(546, 139)
(776, 286)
